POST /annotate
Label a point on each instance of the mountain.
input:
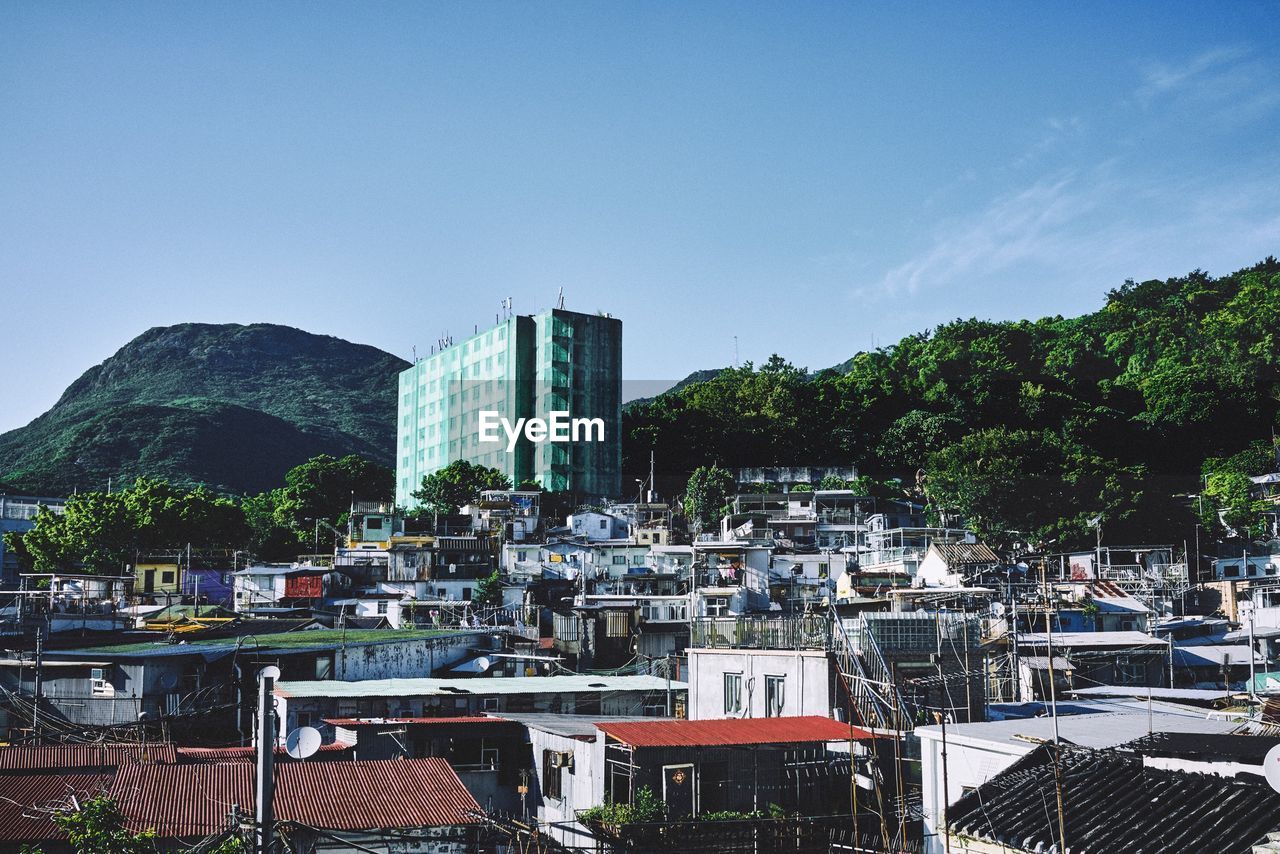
(230, 406)
(696, 377)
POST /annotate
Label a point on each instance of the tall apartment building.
(524, 367)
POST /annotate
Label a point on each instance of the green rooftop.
(283, 640)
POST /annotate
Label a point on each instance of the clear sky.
(808, 177)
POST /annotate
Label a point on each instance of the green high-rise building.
(524, 367)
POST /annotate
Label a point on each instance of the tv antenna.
(560, 300)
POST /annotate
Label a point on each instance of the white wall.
(808, 673)
(582, 789)
(969, 765)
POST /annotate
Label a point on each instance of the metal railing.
(801, 631)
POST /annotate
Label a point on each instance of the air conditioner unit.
(98, 674)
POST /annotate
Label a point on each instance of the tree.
(456, 484)
(489, 590)
(832, 481)
(707, 496)
(97, 827)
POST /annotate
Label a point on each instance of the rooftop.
(1091, 639)
(297, 640)
(66, 757)
(410, 793)
(732, 731)
(1223, 747)
(1108, 807)
(1098, 724)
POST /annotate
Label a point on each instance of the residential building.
(523, 367)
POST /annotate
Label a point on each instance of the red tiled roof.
(355, 722)
(27, 800)
(244, 754)
(63, 757)
(369, 795)
(680, 733)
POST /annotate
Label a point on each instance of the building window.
(603, 524)
(551, 774)
(382, 608)
(466, 594)
(1130, 670)
(166, 577)
(717, 606)
(619, 560)
(732, 693)
(775, 695)
(489, 704)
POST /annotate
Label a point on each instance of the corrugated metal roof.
(427, 686)
(196, 800)
(65, 757)
(27, 799)
(680, 733)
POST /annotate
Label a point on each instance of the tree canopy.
(460, 482)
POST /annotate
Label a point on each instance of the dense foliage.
(457, 484)
(1029, 429)
(104, 531)
(227, 406)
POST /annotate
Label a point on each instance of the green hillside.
(1028, 429)
(230, 406)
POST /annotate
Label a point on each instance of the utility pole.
(1244, 573)
(35, 706)
(264, 820)
(1053, 702)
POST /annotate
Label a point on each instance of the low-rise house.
(198, 684)
(951, 564)
(304, 703)
(977, 752)
(802, 764)
(277, 585)
(1103, 658)
(594, 526)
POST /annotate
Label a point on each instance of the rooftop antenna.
(560, 300)
(736, 364)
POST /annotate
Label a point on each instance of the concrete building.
(523, 367)
(17, 515)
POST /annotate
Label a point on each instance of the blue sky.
(812, 178)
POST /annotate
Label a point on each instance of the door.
(677, 790)
(148, 581)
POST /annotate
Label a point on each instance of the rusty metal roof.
(196, 800)
(247, 754)
(29, 799)
(681, 733)
(67, 757)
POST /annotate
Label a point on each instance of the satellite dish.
(168, 681)
(997, 608)
(1271, 767)
(302, 742)
(269, 672)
